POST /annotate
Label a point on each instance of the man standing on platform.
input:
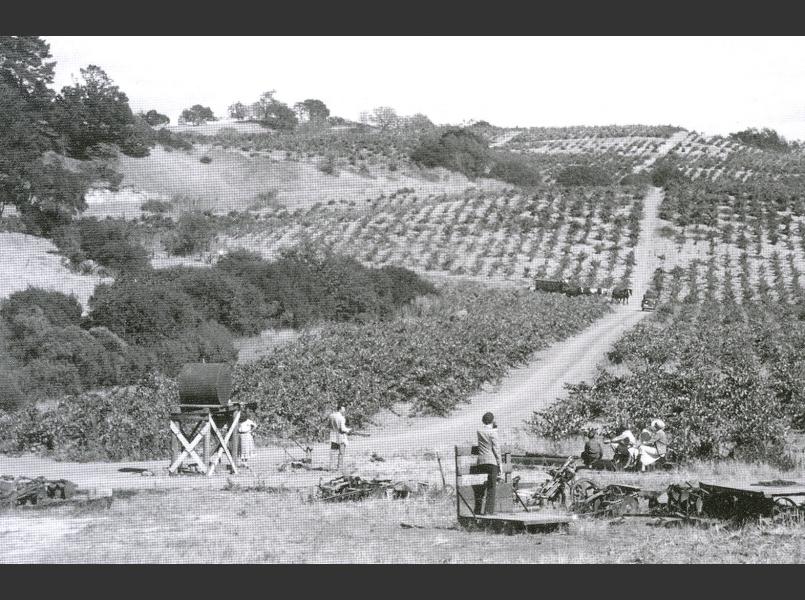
(489, 462)
(338, 437)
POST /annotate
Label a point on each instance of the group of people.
(630, 451)
(338, 438)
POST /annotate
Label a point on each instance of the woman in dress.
(654, 448)
(245, 429)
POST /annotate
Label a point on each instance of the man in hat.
(338, 436)
(655, 447)
(489, 462)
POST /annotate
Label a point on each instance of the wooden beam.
(188, 448)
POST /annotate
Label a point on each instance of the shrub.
(142, 311)
(765, 139)
(55, 308)
(67, 360)
(328, 165)
(308, 284)
(109, 243)
(516, 170)
(456, 149)
(194, 233)
(11, 394)
(171, 141)
(219, 296)
(666, 173)
(156, 206)
(574, 175)
(122, 423)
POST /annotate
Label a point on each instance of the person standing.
(245, 429)
(338, 436)
(489, 462)
(653, 448)
(593, 452)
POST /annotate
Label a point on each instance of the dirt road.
(542, 381)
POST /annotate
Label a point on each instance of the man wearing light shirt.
(338, 437)
(488, 462)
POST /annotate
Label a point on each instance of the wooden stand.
(213, 426)
(506, 517)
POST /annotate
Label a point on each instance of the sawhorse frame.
(205, 420)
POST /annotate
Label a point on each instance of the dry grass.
(26, 261)
(252, 526)
(234, 180)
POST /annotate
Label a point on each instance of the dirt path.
(541, 382)
(665, 148)
(504, 138)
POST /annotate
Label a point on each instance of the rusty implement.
(613, 500)
(350, 487)
(21, 491)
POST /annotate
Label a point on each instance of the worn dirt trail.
(538, 384)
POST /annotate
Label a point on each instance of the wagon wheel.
(786, 512)
(580, 492)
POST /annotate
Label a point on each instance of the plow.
(702, 503)
(351, 487)
(21, 491)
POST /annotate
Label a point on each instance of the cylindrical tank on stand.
(205, 383)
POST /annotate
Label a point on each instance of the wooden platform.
(541, 517)
(506, 517)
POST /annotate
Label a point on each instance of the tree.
(38, 128)
(238, 111)
(384, 117)
(418, 122)
(53, 195)
(765, 139)
(24, 66)
(273, 113)
(312, 110)
(456, 149)
(97, 112)
(154, 119)
(197, 115)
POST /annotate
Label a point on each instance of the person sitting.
(626, 449)
(593, 452)
(655, 447)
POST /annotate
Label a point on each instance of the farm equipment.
(780, 501)
(17, 491)
(613, 500)
(702, 504)
(505, 518)
(552, 491)
(351, 487)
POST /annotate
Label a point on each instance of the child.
(246, 440)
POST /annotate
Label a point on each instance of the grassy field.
(282, 526)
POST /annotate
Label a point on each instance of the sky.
(711, 85)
